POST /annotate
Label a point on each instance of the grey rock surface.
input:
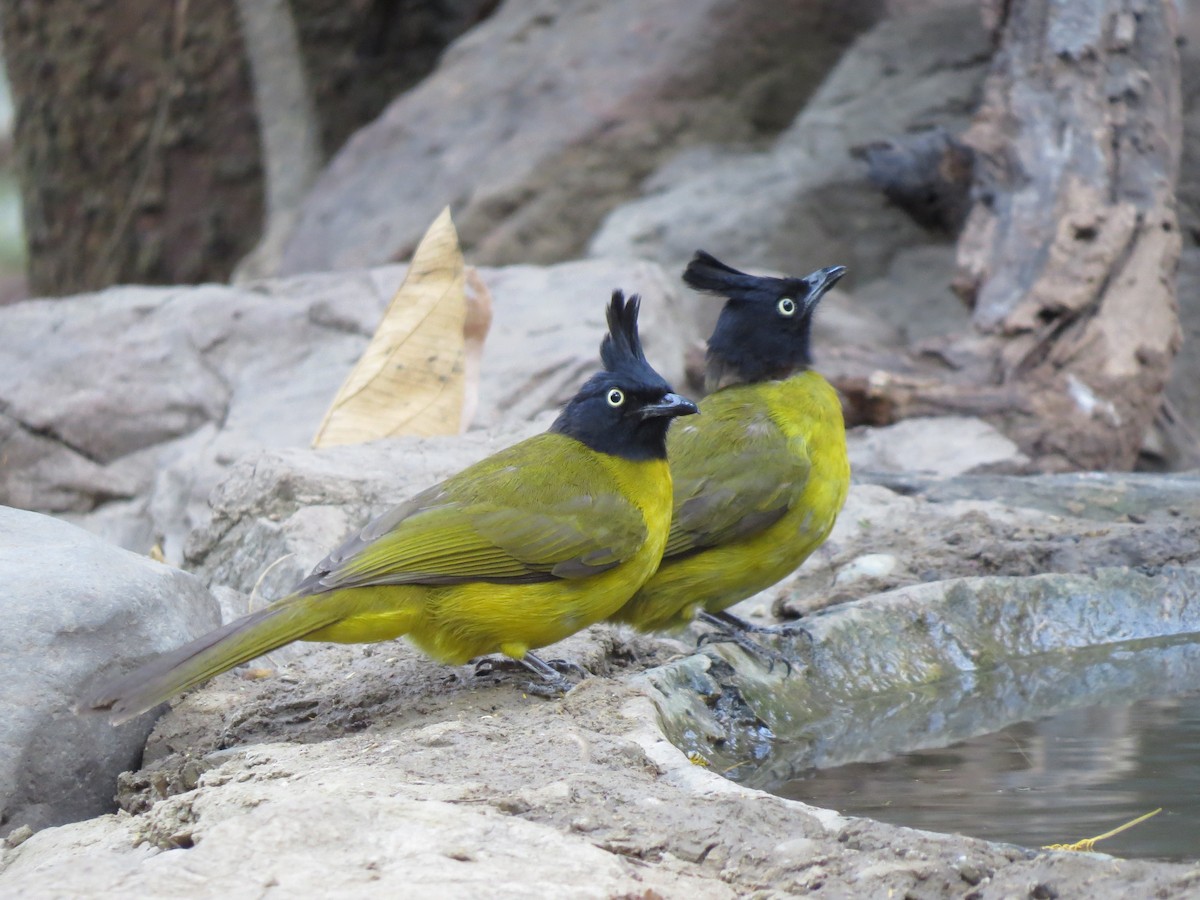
(122, 410)
(367, 770)
(806, 201)
(1188, 189)
(945, 446)
(978, 654)
(402, 772)
(914, 296)
(542, 118)
(76, 609)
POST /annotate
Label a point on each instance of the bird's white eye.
(615, 398)
(786, 306)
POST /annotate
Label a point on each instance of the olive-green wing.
(735, 473)
(540, 510)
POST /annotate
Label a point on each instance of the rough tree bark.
(1068, 256)
(361, 54)
(136, 139)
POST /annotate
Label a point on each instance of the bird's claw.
(734, 630)
(726, 621)
(550, 689)
(554, 682)
(765, 655)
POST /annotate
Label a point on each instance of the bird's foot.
(553, 673)
(554, 681)
(550, 689)
(734, 630)
(765, 655)
(727, 621)
(487, 666)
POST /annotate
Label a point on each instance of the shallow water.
(1075, 773)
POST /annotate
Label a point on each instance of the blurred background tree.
(139, 147)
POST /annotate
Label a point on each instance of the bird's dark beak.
(669, 405)
(822, 280)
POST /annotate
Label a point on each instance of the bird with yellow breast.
(761, 475)
(517, 551)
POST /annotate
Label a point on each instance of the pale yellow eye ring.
(786, 306)
(615, 398)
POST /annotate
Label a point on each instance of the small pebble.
(870, 565)
(18, 836)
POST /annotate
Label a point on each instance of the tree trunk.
(362, 54)
(136, 138)
(1070, 251)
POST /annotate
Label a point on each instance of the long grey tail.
(231, 645)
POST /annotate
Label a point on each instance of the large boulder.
(76, 609)
(542, 118)
(807, 201)
(122, 410)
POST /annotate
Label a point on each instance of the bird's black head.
(763, 331)
(626, 409)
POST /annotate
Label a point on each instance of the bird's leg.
(726, 621)
(554, 682)
(735, 630)
(486, 666)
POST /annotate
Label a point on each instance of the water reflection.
(1073, 775)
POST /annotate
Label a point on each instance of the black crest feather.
(634, 424)
(621, 349)
(755, 340)
(707, 273)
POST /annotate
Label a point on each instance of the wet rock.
(969, 655)
(598, 94)
(1119, 497)
(808, 195)
(122, 410)
(76, 609)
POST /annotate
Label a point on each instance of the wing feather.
(734, 474)
(513, 518)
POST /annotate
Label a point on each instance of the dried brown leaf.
(412, 378)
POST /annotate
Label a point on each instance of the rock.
(76, 609)
(1178, 446)
(540, 119)
(807, 201)
(942, 446)
(843, 318)
(459, 789)
(974, 525)
(122, 410)
(123, 407)
(869, 565)
(1188, 189)
(914, 297)
(1001, 650)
